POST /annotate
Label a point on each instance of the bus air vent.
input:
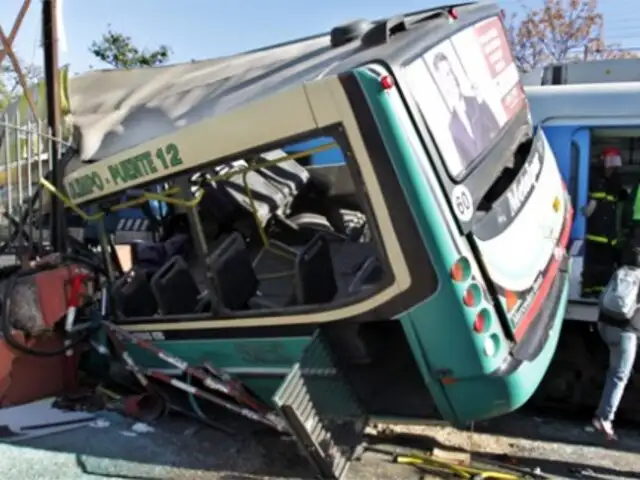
(349, 32)
(382, 31)
(321, 411)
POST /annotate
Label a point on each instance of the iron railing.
(25, 157)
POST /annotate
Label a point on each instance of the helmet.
(611, 157)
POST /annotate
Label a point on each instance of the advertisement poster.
(467, 89)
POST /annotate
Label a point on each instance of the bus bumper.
(522, 371)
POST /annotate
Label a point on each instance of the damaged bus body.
(423, 272)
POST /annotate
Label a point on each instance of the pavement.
(179, 448)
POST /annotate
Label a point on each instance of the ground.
(182, 449)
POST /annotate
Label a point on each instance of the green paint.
(85, 185)
(133, 169)
(636, 206)
(145, 164)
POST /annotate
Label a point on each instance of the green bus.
(359, 225)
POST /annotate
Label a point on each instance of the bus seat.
(175, 289)
(217, 209)
(316, 280)
(348, 257)
(311, 281)
(134, 296)
(231, 272)
(151, 256)
(369, 273)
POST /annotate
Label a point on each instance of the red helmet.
(611, 152)
(612, 157)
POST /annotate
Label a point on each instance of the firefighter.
(601, 246)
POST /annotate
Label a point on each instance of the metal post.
(52, 78)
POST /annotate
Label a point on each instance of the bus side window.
(574, 169)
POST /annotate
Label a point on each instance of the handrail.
(168, 195)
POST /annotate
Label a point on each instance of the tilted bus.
(424, 272)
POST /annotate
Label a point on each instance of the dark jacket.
(608, 192)
(483, 124)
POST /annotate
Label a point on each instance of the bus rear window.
(467, 88)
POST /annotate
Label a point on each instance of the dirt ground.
(181, 449)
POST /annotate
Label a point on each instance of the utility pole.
(52, 78)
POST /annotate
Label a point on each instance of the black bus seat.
(230, 270)
(152, 256)
(175, 289)
(134, 296)
(275, 260)
(348, 257)
(217, 209)
(312, 281)
(369, 274)
(316, 279)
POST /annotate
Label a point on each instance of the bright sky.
(198, 29)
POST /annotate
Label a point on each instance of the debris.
(140, 427)
(128, 433)
(37, 419)
(452, 456)
(429, 463)
(213, 379)
(100, 423)
(147, 407)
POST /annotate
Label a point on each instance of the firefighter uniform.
(601, 240)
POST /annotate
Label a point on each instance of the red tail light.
(461, 270)
(480, 323)
(387, 82)
(472, 296)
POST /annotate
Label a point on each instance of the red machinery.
(39, 302)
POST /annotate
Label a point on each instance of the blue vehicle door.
(578, 180)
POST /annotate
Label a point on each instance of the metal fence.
(25, 157)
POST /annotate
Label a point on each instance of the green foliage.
(119, 51)
(10, 87)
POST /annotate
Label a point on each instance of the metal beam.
(52, 77)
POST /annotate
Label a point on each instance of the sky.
(199, 29)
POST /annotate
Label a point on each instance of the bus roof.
(115, 110)
(583, 101)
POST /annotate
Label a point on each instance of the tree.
(10, 87)
(119, 51)
(560, 31)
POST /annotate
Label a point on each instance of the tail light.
(472, 295)
(461, 270)
(482, 321)
(387, 82)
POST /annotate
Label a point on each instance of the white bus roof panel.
(148, 103)
(604, 100)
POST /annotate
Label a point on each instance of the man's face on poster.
(447, 80)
